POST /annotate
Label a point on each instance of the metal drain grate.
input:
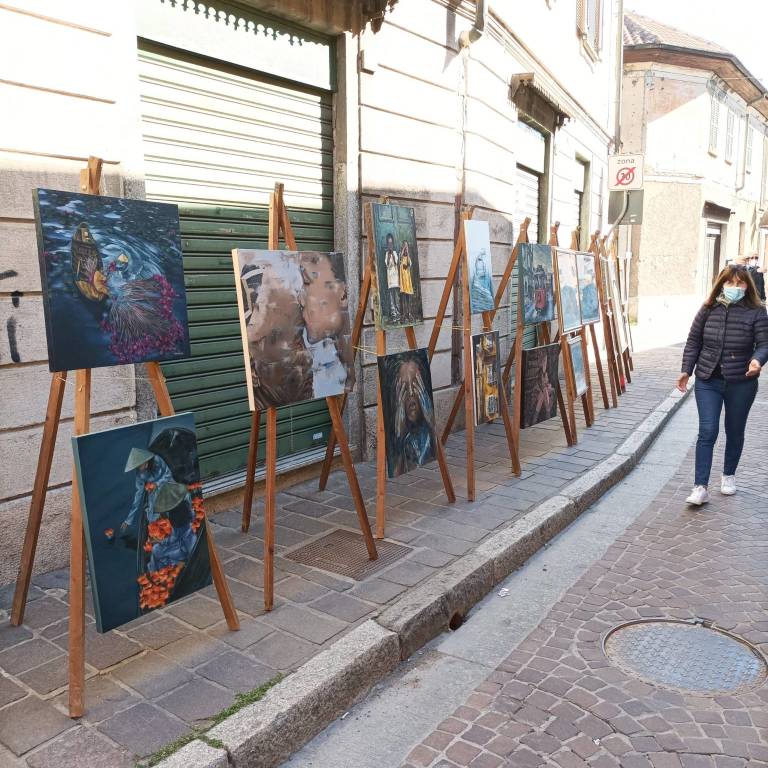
(344, 552)
(685, 656)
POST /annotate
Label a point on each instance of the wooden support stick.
(269, 510)
(381, 446)
(39, 490)
(469, 405)
(253, 449)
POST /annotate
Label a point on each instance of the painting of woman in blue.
(145, 526)
(477, 237)
(113, 280)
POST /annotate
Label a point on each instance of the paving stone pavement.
(156, 678)
(557, 700)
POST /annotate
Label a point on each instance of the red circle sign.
(625, 176)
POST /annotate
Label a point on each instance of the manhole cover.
(344, 552)
(685, 656)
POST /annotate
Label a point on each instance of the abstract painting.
(539, 395)
(397, 294)
(577, 364)
(486, 375)
(112, 278)
(294, 319)
(408, 409)
(590, 308)
(568, 282)
(144, 521)
(477, 236)
(537, 280)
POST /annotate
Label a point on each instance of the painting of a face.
(539, 395)
(113, 280)
(408, 410)
(294, 318)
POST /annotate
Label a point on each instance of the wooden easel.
(612, 340)
(90, 180)
(516, 358)
(279, 222)
(460, 262)
(381, 349)
(594, 249)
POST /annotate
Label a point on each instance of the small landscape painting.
(568, 284)
(537, 283)
(577, 364)
(585, 268)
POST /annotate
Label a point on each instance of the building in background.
(701, 119)
(208, 105)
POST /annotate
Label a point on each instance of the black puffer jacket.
(730, 337)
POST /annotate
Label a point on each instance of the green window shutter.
(216, 139)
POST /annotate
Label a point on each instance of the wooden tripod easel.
(279, 222)
(381, 349)
(612, 340)
(460, 262)
(90, 180)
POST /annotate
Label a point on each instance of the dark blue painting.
(113, 280)
(144, 520)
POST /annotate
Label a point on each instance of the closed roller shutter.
(216, 139)
(528, 204)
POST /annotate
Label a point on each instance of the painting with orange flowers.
(144, 520)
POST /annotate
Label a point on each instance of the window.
(748, 149)
(588, 16)
(730, 128)
(714, 123)
(742, 236)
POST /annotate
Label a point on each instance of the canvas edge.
(243, 330)
(52, 367)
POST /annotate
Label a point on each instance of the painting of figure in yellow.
(487, 376)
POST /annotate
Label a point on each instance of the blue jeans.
(711, 395)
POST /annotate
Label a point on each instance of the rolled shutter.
(528, 205)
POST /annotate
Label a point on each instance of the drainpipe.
(470, 36)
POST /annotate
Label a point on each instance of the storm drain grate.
(344, 552)
(686, 656)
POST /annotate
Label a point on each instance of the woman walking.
(728, 346)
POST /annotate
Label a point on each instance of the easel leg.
(381, 448)
(325, 470)
(50, 429)
(269, 510)
(354, 486)
(509, 431)
(220, 582)
(627, 365)
(77, 560)
(453, 414)
(599, 366)
(250, 476)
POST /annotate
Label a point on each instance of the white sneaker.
(699, 495)
(728, 485)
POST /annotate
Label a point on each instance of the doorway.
(711, 266)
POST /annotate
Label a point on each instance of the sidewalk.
(568, 697)
(154, 680)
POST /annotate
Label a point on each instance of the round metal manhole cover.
(687, 657)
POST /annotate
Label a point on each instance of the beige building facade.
(701, 121)
(209, 104)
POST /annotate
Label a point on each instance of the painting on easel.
(577, 364)
(477, 237)
(113, 280)
(487, 376)
(568, 281)
(537, 278)
(294, 319)
(144, 521)
(397, 298)
(618, 313)
(408, 409)
(539, 382)
(590, 308)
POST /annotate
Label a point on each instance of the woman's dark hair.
(734, 272)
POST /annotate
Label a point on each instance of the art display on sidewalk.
(537, 280)
(619, 319)
(144, 521)
(568, 282)
(578, 366)
(408, 409)
(539, 393)
(397, 297)
(477, 236)
(588, 298)
(486, 373)
(112, 278)
(294, 319)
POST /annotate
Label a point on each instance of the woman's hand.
(754, 369)
(682, 382)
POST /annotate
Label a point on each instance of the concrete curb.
(264, 734)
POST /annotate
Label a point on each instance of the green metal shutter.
(216, 139)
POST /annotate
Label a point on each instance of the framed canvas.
(536, 276)
(568, 291)
(143, 516)
(477, 236)
(112, 278)
(397, 294)
(576, 352)
(408, 409)
(539, 395)
(617, 307)
(486, 373)
(294, 320)
(588, 298)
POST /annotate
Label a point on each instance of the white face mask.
(733, 292)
